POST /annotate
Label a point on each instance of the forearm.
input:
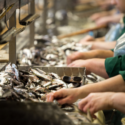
(98, 54)
(103, 45)
(117, 101)
(101, 39)
(114, 18)
(115, 84)
(96, 66)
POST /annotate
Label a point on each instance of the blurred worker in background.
(98, 45)
(114, 33)
(107, 17)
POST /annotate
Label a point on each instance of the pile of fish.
(52, 53)
(32, 85)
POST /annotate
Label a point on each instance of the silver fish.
(43, 97)
(41, 71)
(13, 70)
(3, 80)
(1, 92)
(40, 89)
(55, 76)
(47, 84)
(46, 77)
(58, 82)
(7, 93)
(70, 85)
(33, 78)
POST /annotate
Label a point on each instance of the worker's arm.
(96, 16)
(89, 55)
(103, 101)
(115, 84)
(100, 45)
(89, 38)
(96, 66)
(101, 39)
(109, 19)
(118, 102)
(103, 45)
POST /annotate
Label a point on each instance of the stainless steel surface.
(32, 28)
(12, 43)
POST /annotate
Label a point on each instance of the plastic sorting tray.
(61, 71)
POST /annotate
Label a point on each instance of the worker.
(103, 101)
(113, 70)
(67, 96)
(98, 100)
(98, 61)
(97, 53)
(107, 17)
(105, 42)
(112, 35)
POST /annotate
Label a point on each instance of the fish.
(43, 76)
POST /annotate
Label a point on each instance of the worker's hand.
(81, 63)
(87, 39)
(77, 63)
(87, 43)
(75, 56)
(64, 96)
(96, 102)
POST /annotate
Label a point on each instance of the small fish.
(31, 95)
(46, 77)
(55, 76)
(67, 108)
(70, 85)
(33, 78)
(40, 89)
(12, 70)
(53, 86)
(43, 97)
(3, 80)
(56, 102)
(1, 92)
(22, 92)
(47, 84)
(58, 82)
(32, 86)
(7, 93)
